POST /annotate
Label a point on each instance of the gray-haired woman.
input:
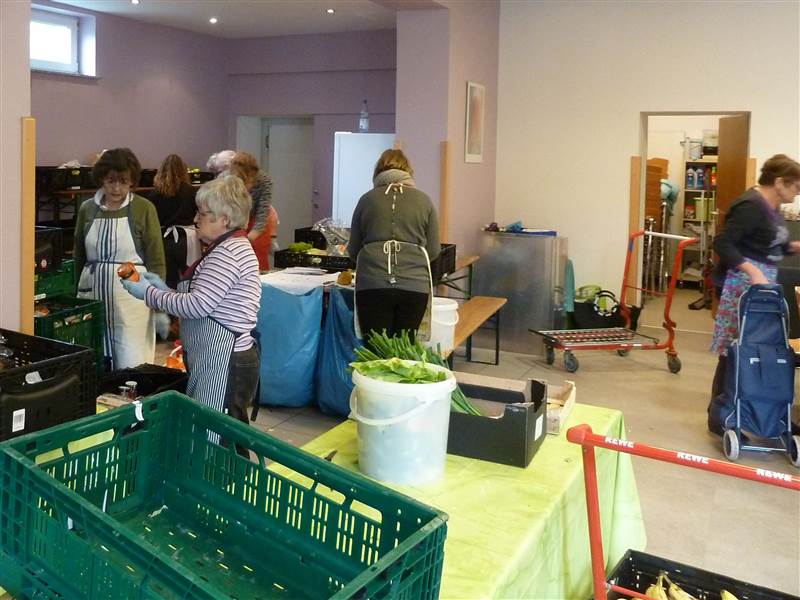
(217, 302)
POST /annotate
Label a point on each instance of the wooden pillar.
(27, 225)
(444, 192)
(633, 225)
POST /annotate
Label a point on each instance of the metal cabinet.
(529, 270)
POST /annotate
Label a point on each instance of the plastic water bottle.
(363, 118)
(699, 178)
(689, 178)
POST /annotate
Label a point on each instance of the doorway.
(283, 147)
(696, 165)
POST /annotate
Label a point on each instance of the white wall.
(574, 78)
(15, 103)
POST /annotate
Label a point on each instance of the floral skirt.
(726, 325)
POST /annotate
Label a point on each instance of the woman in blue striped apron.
(114, 227)
(217, 301)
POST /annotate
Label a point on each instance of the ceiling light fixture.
(134, 1)
(330, 11)
(213, 20)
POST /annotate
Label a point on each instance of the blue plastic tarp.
(289, 329)
(336, 352)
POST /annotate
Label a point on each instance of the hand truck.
(583, 435)
(622, 339)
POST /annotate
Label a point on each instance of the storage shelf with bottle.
(699, 199)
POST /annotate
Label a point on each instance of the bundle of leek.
(402, 347)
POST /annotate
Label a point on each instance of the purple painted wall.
(450, 47)
(163, 90)
(474, 55)
(322, 76)
(422, 103)
(159, 90)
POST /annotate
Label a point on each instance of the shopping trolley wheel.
(623, 351)
(549, 355)
(730, 444)
(794, 450)
(570, 362)
(673, 363)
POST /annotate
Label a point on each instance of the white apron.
(391, 248)
(130, 337)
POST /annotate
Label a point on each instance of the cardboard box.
(560, 400)
(513, 425)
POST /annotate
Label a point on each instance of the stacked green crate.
(156, 510)
(73, 320)
(56, 283)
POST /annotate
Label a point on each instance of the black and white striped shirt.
(226, 287)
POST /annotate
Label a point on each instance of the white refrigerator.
(354, 158)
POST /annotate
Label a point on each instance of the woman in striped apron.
(114, 227)
(217, 302)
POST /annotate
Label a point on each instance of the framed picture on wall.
(473, 138)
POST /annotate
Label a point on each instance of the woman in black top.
(174, 198)
(173, 194)
(752, 242)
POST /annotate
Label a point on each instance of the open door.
(734, 138)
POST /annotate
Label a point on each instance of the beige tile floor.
(742, 529)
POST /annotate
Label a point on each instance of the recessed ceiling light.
(330, 11)
(213, 20)
(134, 1)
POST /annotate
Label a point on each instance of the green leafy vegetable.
(400, 347)
(396, 370)
(299, 247)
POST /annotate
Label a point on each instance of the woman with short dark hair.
(114, 227)
(752, 242)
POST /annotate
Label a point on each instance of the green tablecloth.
(522, 533)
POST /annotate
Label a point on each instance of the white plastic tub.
(402, 427)
(444, 316)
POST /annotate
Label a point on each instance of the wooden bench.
(471, 316)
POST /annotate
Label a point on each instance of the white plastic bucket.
(444, 316)
(402, 427)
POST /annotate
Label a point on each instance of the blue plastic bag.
(289, 326)
(336, 352)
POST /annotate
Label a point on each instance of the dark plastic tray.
(638, 570)
(49, 249)
(150, 379)
(285, 259)
(51, 382)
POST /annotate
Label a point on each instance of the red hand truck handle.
(583, 435)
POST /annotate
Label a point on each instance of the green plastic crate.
(159, 511)
(75, 321)
(55, 283)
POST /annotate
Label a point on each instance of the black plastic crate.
(44, 383)
(445, 263)
(50, 179)
(147, 177)
(150, 379)
(67, 228)
(49, 249)
(200, 176)
(87, 179)
(638, 570)
(311, 236)
(285, 258)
